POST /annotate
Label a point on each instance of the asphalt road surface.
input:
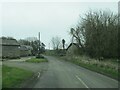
(0, 75)
(62, 74)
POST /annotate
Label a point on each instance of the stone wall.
(24, 53)
(10, 51)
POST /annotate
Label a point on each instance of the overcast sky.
(26, 19)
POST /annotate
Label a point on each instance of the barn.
(9, 48)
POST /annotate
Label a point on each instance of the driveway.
(34, 67)
(37, 68)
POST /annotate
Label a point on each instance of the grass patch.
(13, 77)
(36, 60)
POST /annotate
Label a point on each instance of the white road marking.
(38, 74)
(81, 81)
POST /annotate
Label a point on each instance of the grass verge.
(13, 77)
(97, 67)
(103, 70)
(36, 60)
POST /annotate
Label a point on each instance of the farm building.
(25, 50)
(72, 49)
(9, 48)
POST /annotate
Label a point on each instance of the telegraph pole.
(39, 42)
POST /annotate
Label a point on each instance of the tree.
(78, 34)
(63, 43)
(97, 34)
(34, 43)
(24, 42)
(56, 42)
(30, 39)
(101, 34)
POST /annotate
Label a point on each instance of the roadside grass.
(0, 76)
(13, 77)
(36, 60)
(100, 69)
(106, 67)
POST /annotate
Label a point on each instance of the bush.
(39, 56)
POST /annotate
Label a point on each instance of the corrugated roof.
(4, 41)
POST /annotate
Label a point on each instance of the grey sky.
(21, 20)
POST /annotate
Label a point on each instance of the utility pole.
(39, 42)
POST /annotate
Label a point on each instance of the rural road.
(0, 75)
(62, 74)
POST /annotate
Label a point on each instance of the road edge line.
(81, 81)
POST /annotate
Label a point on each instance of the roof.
(8, 42)
(25, 47)
(71, 45)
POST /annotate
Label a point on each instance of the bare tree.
(31, 39)
(78, 34)
(56, 41)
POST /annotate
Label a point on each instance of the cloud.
(21, 20)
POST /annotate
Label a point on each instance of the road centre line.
(81, 81)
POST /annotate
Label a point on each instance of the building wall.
(25, 53)
(10, 51)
